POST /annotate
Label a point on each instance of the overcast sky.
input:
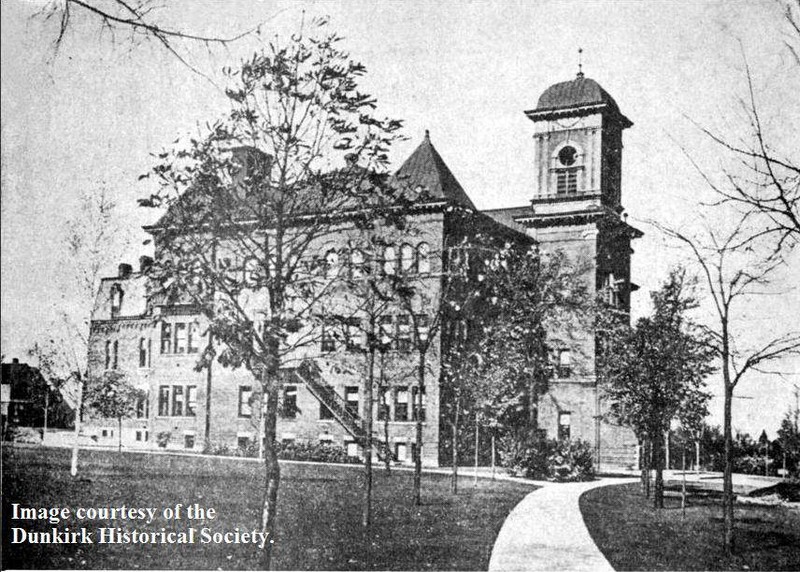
(93, 113)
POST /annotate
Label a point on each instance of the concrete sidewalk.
(546, 532)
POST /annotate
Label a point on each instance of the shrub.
(163, 439)
(24, 435)
(534, 456)
(320, 452)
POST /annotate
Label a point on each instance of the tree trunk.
(667, 464)
(658, 463)
(73, 470)
(119, 437)
(683, 483)
(454, 452)
(494, 455)
(366, 512)
(477, 444)
(697, 455)
(207, 424)
(387, 455)
(727, 478)
(272, 473)
(418, 458)
(645, 469)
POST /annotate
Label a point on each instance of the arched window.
(567, 167)
(407, 258)
(423, 258)
(116, 355)
(332, 263)
(389, 260)
(108, 354)
(356, 263)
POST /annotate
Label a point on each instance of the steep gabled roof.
(425, 168)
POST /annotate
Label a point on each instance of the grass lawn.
(318, 520)
(635, 536)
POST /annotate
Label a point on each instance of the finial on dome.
(580, 63)
(427, 135)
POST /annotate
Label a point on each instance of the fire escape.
(308, 373)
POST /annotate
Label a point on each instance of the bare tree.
(763, 182)
(730, 276)
(135, 21)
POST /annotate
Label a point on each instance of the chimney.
(15, 361)
(145, 263)
(124, 270)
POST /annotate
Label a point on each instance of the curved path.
(545, 531)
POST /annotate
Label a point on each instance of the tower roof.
(581, 92)
(425, 168)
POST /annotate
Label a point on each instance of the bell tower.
(576, 209)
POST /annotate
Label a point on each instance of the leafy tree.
(789, 441)
(653, 372)
(112, 396)
(251, 202)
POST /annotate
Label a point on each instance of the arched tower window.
(423, 258)
(407, 258)
(567, 168)
(389, 260)
(117, 294)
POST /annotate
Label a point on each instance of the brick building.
(576, 207)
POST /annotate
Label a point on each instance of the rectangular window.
(242, 442)
(138, 435)
(108, 354)
(383, 404)
(564, 363)
(180, 338)
(386, 331)
(115, 363)
(324, 412)
(163, 400)
(404, 333)
(351, 399)
(177, 401)
(192, 339)
(566, 181)
(191, 400)
(142, 408)
(355, 341)
(166, 338)
(401, 452)
(188, 441)
(564, 426)
(290, 401)
(401, 404)
(417, 412)
(142, 352)
(245, 394)
(352, 448)
(328, 340)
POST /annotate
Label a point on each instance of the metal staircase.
(309, 374)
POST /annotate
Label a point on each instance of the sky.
(92, 113)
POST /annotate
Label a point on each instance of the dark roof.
(580, 92)
(508, 216)
(573, 93)
(425, 168)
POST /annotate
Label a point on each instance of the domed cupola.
(578, 134)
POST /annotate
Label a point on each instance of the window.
(386, 331)
(389, 260)
(352, 448)
(351, 399)
(356, 264)
(142, 408)
(117, 294)
(400, 451)
(290, 401)
(192, 338)
(245, 395)
(417, 412)
(404, 333)
(163, 400)
(423, 327)
(143, 353)
(166, 338)
(407, 258)
(250, 273)
(566, 181)
(331, 264)
(242, 442)
(328, 340)
(383, 404)
(611, 290)
(191, 400)
(324, 412)
(180, 338)
(401, 404)
(115, 361)
(354, 335)
(141, 435)
(423, 258)
(108, 354)
(188, 441)
(564, 426)
(177, 401)
(564, 363)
